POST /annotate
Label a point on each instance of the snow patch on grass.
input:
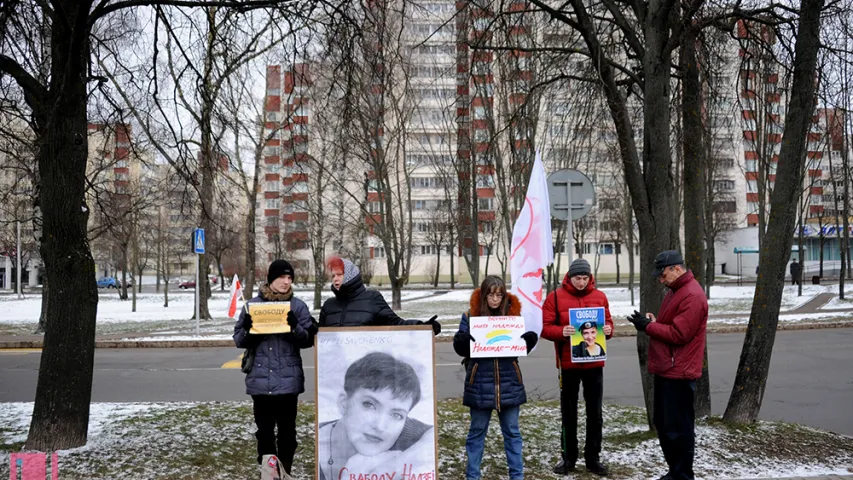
(215, 440)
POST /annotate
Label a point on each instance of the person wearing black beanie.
(274, 377)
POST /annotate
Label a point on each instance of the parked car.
(108, 282)
(187, 284)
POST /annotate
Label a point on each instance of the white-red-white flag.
(532, 249)
(236, 295)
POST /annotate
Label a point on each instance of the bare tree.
(753, 368)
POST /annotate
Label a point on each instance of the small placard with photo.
(588, 342)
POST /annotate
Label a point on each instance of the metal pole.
(197, 297)
(18, 257)
(569, 240)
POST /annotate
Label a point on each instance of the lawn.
(216, 441)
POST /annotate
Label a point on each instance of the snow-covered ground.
(216, 441)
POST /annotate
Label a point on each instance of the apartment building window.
(272, 221)
(272, 186)
(428, 250)
(479, 112)
(485, 204)
(273, 202)
(606, 249)
(488, 227)
(273, 167)
(481, 135)
(751, 208)
(300, 187)
(374, 207)
(426, 182)
(121, 163)
(752, 186)
(485, 181)
(379, 252)
(121, 176)
(751, 165)
(724, 185)
(725, 207)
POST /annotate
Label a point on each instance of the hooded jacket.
(677, 336)
(564, 298)
(490, 383)
(278, 363)
(354, 305)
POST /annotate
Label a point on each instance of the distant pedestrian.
(275, 378)
(676, 354)
(796, 272)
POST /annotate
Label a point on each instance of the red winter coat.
(567, 296)
(677, 347)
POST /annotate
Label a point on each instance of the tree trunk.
(45, 291)
(618, 252)
(754, 366)
(629, 213)
(437, 265)
(63, 393)
(134, 260)
(123, 294)
(695, 164)
(396, 294)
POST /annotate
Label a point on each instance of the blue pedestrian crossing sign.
(198, 241)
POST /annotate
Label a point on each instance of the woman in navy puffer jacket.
(492, 383)
(276, 378)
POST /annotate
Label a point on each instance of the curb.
(202, 343)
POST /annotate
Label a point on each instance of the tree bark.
(61, 411)
(695, 164)
(754, 366)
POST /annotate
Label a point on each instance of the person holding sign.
(676, 357)
(275, 377)
(492, 383)
(354, 305)
(577, 297)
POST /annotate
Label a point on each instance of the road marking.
(235, 364)
(19, 351)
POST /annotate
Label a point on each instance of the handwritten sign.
(269, 317)
(588, 341)
(497, 337)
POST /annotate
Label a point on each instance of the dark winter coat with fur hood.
(278, 364)
(490, 383)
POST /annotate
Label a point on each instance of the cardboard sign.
(269, 317)
(497, 337)
(588, 342)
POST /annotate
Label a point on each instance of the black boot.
(564, 467)
(597, 468)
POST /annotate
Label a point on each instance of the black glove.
(639, 320)
(314, 328)
(530, 338)
(291, 320)
(462, 344)
(247, 322)
(436, 327)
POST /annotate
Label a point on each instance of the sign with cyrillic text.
(269, 317)
(497, 337)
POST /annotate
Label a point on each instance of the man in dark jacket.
(676, 354)
(796, 271)
(354, 305)
(276, 378)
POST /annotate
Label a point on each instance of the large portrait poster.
(588, 341)
(376, 405)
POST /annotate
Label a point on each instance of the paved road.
(811, 381)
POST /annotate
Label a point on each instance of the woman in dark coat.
(276, 378)
(354, 305)
(492, 383)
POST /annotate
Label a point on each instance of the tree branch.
(34, 92)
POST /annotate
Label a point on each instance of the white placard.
(497, 337)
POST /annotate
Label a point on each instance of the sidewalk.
(827, 477)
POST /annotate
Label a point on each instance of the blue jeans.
(476, 442)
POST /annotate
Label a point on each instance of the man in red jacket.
(676, 353)
(577, 291)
